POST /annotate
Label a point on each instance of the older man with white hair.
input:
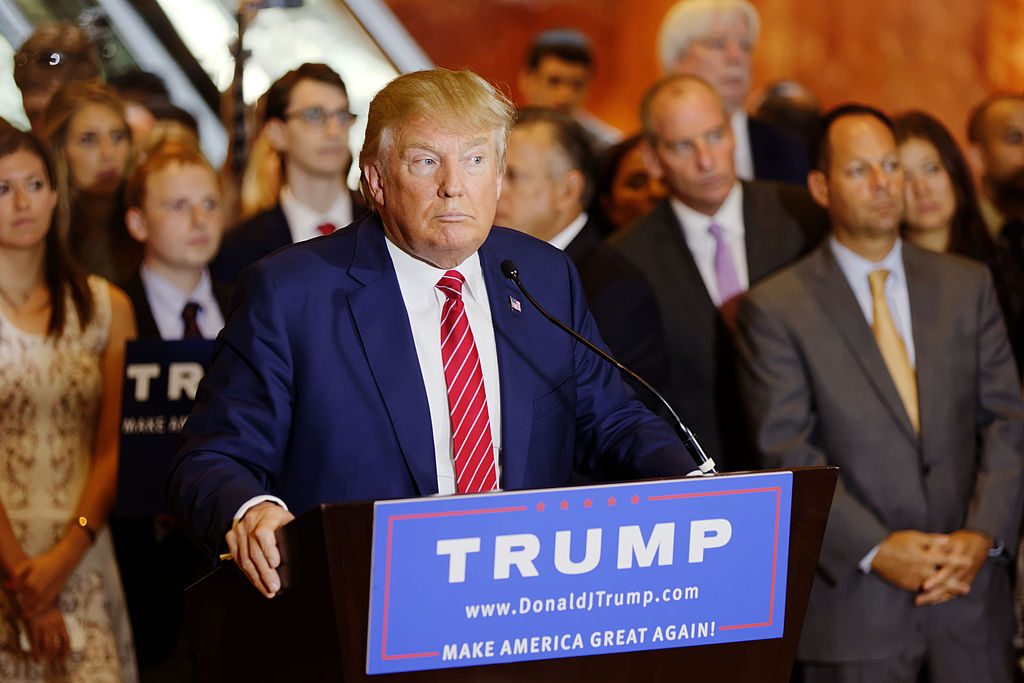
(714, 39)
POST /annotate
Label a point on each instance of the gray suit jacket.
(781, 224)
(818, 392)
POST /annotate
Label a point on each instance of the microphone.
(705, 464)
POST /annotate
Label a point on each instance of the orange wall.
(938, 56)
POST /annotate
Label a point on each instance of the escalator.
(189, 43)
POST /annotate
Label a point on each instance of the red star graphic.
(540, 507)
(635, 499)
(565, 505)
(587, 503)
(611, 502)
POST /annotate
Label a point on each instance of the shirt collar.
(729, 216)
(856, 268)
(423, 276)
(166, 296)
(568, 234)
(303, 221)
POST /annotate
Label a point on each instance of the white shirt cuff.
(252, 502)
(865, 564)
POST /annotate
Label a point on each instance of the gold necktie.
(894, 352)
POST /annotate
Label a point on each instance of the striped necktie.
(472, 445)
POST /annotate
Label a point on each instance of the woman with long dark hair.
(62, 337)
(942, 212)
(90, 144)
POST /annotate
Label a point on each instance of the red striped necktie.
(467, 399)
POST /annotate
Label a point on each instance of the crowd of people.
(806, 288)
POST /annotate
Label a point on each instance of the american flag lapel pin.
(515, 305)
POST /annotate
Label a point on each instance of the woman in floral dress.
(62, 335)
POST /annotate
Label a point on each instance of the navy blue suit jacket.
(778, 154)
(259, 236)
(315, 392)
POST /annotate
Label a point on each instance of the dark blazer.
(624, 306)
(781, 223)
(144, 320)
(156, 562)
(778, 154)
(819, 393)
(261, 235)
(315, 392)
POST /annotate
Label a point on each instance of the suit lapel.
(383, 326)
(677, 264)
(510, 329)
(925, 315)
(144, 320)
(761, 257)
(841, 307)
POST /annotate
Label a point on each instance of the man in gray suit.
(893, 363)
(703, 246)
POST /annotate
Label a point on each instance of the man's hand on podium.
(254, 548)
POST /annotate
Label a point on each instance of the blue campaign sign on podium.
(487, 579)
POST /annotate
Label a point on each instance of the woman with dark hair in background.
(90, 143)
(626, 190)
(942, 212)
(62, 337)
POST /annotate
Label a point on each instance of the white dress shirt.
(167, 302)
(569, 232)
(743, 155)
(423, 303)
(702, 244)
(417, 281)
(304, 221)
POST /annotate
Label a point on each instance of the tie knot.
(451, 284)
(876, 279)
(715, 231)
(191, 310)
(326, 228)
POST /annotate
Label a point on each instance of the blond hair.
(172, 153)
(452, 100)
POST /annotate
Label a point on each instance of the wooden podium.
(316, 628)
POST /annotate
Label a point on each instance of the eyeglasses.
(318, 116)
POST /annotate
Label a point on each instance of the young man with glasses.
(307, 124)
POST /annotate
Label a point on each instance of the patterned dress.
(49, 403)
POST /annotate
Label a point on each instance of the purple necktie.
(728, 281)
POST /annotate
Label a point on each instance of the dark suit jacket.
(144, 320)
(782, 223)
(624, 306)
(156, 568)
(819, 393)
(315, 392)
(260, 236)
(778, 154)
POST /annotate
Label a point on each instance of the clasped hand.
(937, 567)
(34, 586)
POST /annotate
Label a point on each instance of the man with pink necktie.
(394, 359)
(701, 249)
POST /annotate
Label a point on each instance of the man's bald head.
(676, 86)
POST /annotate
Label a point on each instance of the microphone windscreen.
(509, 270)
